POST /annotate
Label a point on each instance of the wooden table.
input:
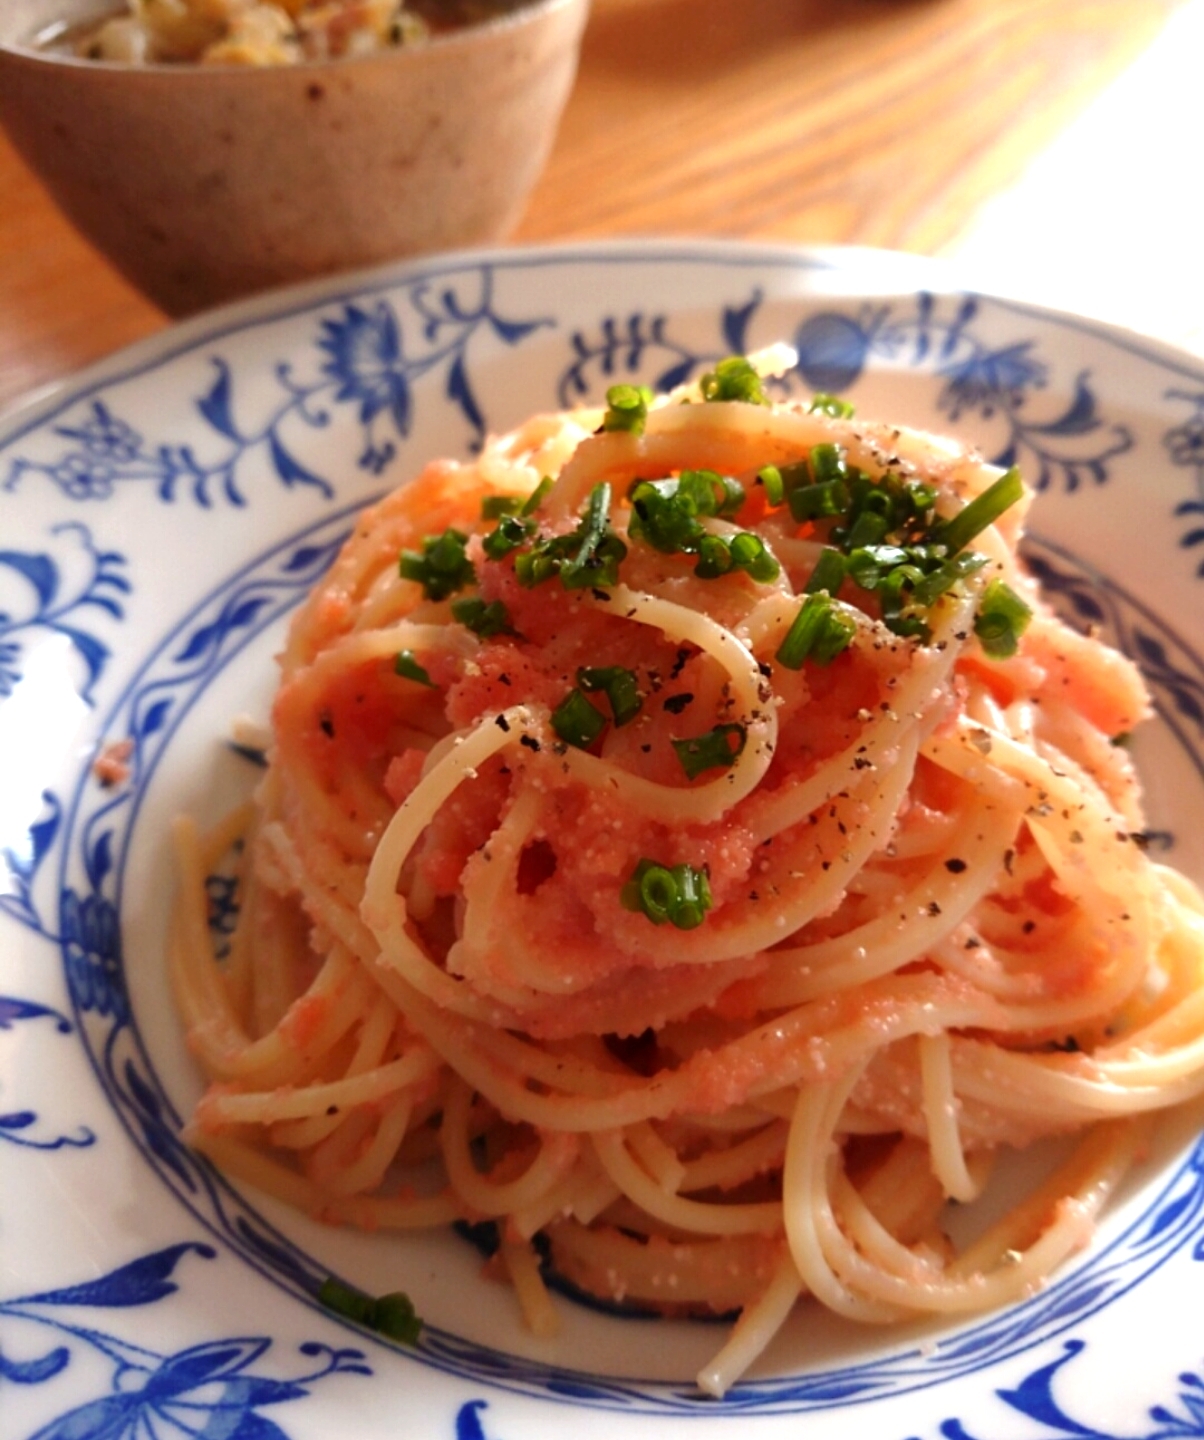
(1041, 145)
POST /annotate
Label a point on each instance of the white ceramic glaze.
(159, 518)
(206, 183)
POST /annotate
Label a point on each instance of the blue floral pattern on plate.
(1035, 1399)
(270, 428)
(360, 357)
(206, 1389)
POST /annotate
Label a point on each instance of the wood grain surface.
(871, 122)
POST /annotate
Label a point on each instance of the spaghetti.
(709, 858)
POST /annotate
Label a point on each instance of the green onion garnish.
(869, 563)
(659, 520)
(537, 496)
(714, 557)
(627, 408)
(532, 567)
(577, 722)
(871, 527)
(679, 894)
(409, 669)
(354, 1304)
(596, 561)
(442, 567)
(483, 618)
(665, 512)
(586, 557)
(822, 630)
(392, 1315)
(515, 527)
(899, 614)
(828, 574)
(511, 532)
(618, 685)
(831, 405)
(713, 751)
(828, 463)
(734, 379)
(1001, 620)
(493, 507)
(819, 501)
(888, 534)
(750, 554)
(711, 493)
(775, 487)
(745, 551)
(957, 532)
(396, 1317)
(929, 590)
(918, 497)
(664, 515)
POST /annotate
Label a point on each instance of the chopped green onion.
(895, 592)
(1001, 620)
(354, 1304)
(627, 408)
(396, 1317)
(929, 590)
(409, 669)
(679, 894)
(957, 532)
(511, 532)
(665, 512)
(619, 686)
(828, 574)
(878, 500)
(532, 567)
(886, 538)
(537, 496)
(597, 559)
(871, 527)
(392, 1315)
(831, 405)
(442, 567)
(750, 554)
(660, 521)
(869, 563)
(577, 722)
(493, 507)
(745, 551)
(734, 379)
(775, 487)
(822, 630)
(712, 751)
(828, 463)
(483, 618)
(919, 496)
(706, 492)
(819, 501)
(714, 557)
(588, 556)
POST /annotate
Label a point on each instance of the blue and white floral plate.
(159, 518)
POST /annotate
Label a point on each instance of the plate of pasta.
(604, 836)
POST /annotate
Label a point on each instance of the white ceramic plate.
(159, 518)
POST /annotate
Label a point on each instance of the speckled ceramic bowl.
(204, 183)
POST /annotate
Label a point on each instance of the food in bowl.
(263, 32)
(688, 828)
(205, 182)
